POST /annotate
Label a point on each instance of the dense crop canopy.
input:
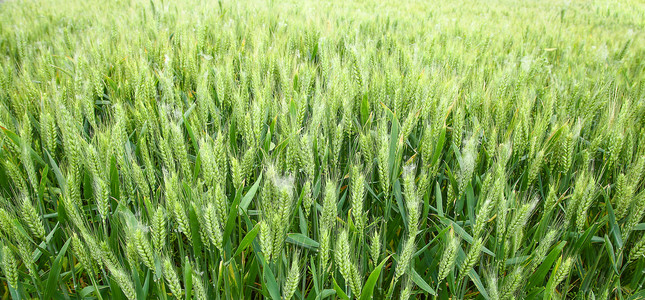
(322, 149)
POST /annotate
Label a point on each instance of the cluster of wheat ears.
(321, 150)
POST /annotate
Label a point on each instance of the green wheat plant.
(318, 150)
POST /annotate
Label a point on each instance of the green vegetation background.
(322, 149)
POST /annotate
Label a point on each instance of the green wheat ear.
(293, 277)
(124, 282)
(198, 286)
(375, 246)
(144, 249)
(82, 254)
(471, 258)
(171, 277)
(32, 218)
(405, 259)
(638, 250)
(512, 283)
(357, 198)
(407, 291)
(10, 266)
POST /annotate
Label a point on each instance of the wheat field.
(322, 150)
